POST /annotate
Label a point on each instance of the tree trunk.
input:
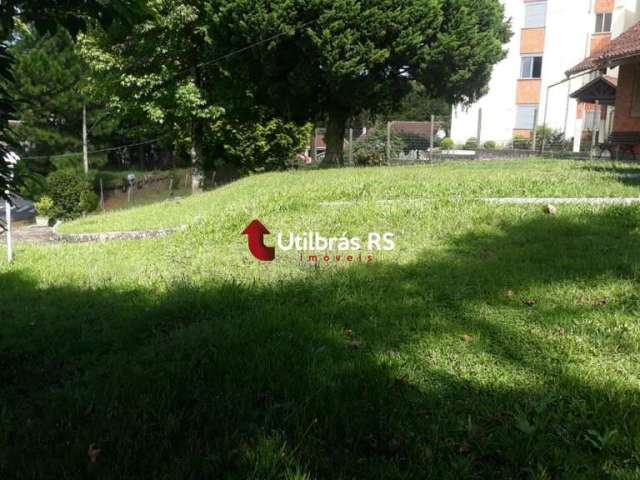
(334, 139)
(197, 159)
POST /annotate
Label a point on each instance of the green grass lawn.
(493, 342)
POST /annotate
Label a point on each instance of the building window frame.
(531, 67)
(535, 14)
(526, 116)
(603, 22)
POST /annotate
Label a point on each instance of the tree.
(418, 105)
(167, 74)
(49, 93)
(154, 76)
(337, 58)
(47, 15)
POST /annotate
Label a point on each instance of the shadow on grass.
(627, 172)
(442, 368)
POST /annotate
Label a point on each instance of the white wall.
(498, 106)
(625, 14)
(568, 28)
(567, 39)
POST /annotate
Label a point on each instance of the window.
(535, 15)
(603, 22)
(525, 116)
(531, 66)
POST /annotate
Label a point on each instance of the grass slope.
(445, 181)
(494, 342)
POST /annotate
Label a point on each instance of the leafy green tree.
(337, 58)
(418, 105)
(154, 79)
(47, 15)
(169, 75)
(49, 92)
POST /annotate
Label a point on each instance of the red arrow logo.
(256, 232)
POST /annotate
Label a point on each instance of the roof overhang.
(599, 90)
(623, 49)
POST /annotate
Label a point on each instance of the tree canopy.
(47, 15)
(335, 58)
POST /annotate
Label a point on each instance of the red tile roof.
(624, 46)
(420, 129)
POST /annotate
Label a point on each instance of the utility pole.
(85, 145)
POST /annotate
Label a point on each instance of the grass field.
(493, 342)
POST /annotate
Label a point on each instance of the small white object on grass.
(550, 209)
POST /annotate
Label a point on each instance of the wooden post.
(85, 143)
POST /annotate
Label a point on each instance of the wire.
(120, 147)
(249, 47)
(199, 65)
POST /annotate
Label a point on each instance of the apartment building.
(530, 86)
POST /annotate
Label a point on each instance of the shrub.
(71, 192)
(521, 142)
(45, 206)
(88, 201)
(471, 144)
(490, 144)
(446, 143)
(371, 149)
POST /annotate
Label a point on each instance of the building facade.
(530, 86)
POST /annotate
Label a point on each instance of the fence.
(417, 142)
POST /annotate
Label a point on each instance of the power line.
(120, 147)
(199, 65)
(249, 47)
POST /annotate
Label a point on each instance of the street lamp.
(10, 159)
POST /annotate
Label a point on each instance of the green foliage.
(489, 145)
(50, 91)
(184, 357)
(553, 139)
(264, 146)
(520, 142)
(341, 64)
(88, 201)
(45, 206)
(446, 143)
(71, 193)
(418, 105)
(371, 149)
(471, 144)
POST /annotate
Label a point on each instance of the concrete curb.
(111, 236)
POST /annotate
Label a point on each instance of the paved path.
(32, 234)
(510, 201)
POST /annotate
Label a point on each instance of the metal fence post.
(388, 142)
(479, 135)
(535, 130)
(595, 128)
(9, 232)
(433, 118)
(351, 146)
(314, 145)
